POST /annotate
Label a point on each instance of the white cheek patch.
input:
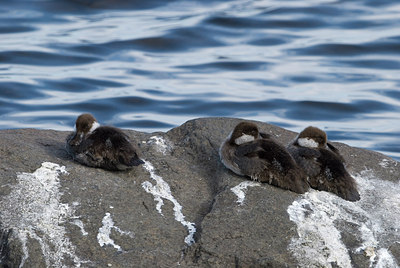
(243, 139)
(94, 126)
(307, 142)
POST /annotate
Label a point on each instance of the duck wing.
(248, 149)
(265, 152)
(116, 148)
(307, 158)
(334, 177)
(268, 161)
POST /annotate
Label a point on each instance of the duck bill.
(137, 161)
(76, 139)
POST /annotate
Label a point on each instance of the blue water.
(152, 65)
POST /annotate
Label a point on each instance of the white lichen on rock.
(34, 211)
(79, 223)
(384, 163)
(103, 236)
(321, 216)
(162, 145)
(160, 191)
(239, 190)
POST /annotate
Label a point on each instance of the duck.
(249, 153)
(323, 164)
(101, 146)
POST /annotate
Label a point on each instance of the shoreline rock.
(140, 228)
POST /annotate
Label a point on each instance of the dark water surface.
(152, 65)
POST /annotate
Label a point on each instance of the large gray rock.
(64, 214)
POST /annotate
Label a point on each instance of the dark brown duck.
(249, 153)
(323, 164)
(101, 146)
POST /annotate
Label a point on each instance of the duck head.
(244, 132)
(312, 137)
(84, 125)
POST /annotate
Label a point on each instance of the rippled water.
(152, 65)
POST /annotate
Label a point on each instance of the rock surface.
(183, 208)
